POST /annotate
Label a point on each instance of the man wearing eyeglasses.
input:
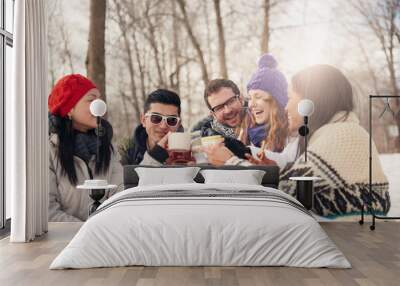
(161, 115)
(227, 111)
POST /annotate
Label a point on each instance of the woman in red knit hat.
(73, 148)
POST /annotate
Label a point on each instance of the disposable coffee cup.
(211, 140)
(179, 141)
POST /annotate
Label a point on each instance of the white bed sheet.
(200, 231)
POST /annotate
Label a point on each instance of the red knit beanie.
(67, 92)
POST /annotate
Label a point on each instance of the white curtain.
(26, 123)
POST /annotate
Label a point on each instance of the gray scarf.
(222, 129)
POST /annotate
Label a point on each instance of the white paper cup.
(179, 141)
(211, 140)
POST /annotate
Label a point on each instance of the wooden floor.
(375, 257)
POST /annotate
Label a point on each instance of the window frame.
(6, 39)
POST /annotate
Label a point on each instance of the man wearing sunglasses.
(227, 111)
(161, 115)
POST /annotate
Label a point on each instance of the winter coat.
(136, 152)
(66, 202)
(338, 153)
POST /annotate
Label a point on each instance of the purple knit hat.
(269, 79)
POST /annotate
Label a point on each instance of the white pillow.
(166, 176)
(248, 177)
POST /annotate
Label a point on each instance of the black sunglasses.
(156, 118)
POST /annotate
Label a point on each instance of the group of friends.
(258, 127)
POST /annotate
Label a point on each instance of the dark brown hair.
(216, 85)
(163, 96)
(330, 91)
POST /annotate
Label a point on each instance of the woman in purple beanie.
(268, 92)
(338, 148)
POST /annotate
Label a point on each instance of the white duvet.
(185, 230)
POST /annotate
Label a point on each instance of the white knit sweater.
(338, 152)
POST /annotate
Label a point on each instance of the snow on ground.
(391, 168)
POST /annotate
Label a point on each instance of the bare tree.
(155, 43)
(195, 42)
(130, 65)
(381, 20)
(267, 7)
(221, 40)
(151, 37)
(175, 76)
(53, 9)
(189, 88)
(125, 104)
(140, 65)
(61, 58)
(209, 52)
(95, 61)
(67, 54)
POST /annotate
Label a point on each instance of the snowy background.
(391, 167)
(303, 32)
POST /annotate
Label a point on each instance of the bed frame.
(270, 179)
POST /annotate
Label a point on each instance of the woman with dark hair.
(73, 145)
(338, 146)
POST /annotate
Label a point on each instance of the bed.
(201, 224)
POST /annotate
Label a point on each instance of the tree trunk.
(139, 62)
(51, 60)
(194, 41)
(392, 10)
(95, 61)
(175, 75)
(209, 41)
(67, 55)
(189, 108)
(221, 40)
(126, 114)
(266, 29)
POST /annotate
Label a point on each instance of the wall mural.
(188, 84)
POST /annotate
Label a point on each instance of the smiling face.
(294, 118)
(231, 103)
(156, 132)
(80, 115)
(260, 105)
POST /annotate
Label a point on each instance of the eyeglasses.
(229, 103)
(156, 118)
